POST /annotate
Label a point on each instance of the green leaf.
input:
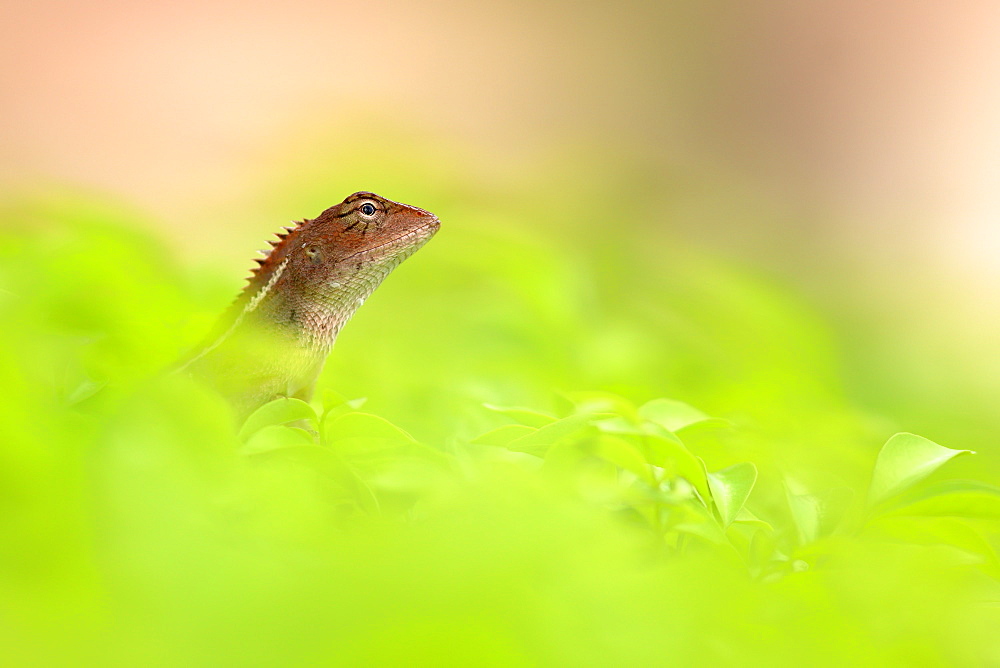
(748, 518)
(356, 431)
(670, 414)
(653, 429)
(697, 520)
(817, 515)
(523, 416)
(666, 451)
(277, 437)
(279, 411)
(540, 439)
(562, 458)
(337, 403)
(806, 511)
(905, 460)
(704, 425)
(603, 402)
(624, 455)
(502, 436)
(618, 425)
(730, 489)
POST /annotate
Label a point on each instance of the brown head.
(364, 229)
(320, 271)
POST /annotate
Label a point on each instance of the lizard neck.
(309, 324)
(314, 315)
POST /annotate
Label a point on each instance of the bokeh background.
(786, 214)
(849, 148)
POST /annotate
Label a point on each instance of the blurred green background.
(781, 215)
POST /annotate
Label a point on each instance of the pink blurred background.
(881, 116)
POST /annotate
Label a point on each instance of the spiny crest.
(266, 264)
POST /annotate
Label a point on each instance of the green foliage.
(482, 509)
(905, 460)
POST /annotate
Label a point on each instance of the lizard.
(275, 337)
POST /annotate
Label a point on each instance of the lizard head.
(364, 230)
(320, 271)
(363, 236)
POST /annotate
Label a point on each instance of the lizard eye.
(368, 209)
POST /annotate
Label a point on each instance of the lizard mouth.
(412, 240)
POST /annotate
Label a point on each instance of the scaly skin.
(274, 339)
